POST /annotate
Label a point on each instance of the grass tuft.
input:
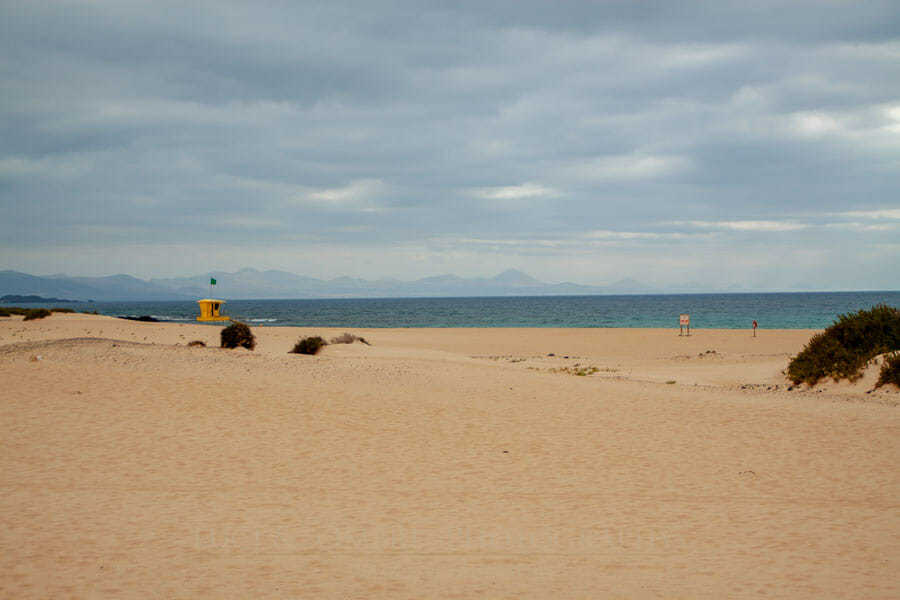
(196, 344)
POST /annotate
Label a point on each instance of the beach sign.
(684, 321)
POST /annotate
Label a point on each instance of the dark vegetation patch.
(890, 371)
(308, 345)
(349, 338)
(238, 335)
(142, 318)
(36, 313)
(14, 310)
(844, 348)
(62, 310)
(577, 369)
(197, 344)
(4, 312)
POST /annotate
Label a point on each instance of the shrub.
(197, 343)
(238, 334)
(890, 371)
(4, 312)
(844, 348)
(37, 313)
(15, 310)
(308, 345)
(62, 310)
(349, 338)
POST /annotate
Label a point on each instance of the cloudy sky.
(753, 143)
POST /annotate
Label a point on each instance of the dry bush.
(349, 338)
(308, 345)
(238, 335)
(197, 344)
(37, 313)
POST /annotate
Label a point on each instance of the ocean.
(716, 311)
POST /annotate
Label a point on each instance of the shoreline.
(729, 311)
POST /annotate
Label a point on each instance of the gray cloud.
(575, 140)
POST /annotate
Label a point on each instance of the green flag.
(212, 281)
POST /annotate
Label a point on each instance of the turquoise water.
(721, 311)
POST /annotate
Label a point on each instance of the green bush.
(308, 345)
(37, 313)
(238, 335)
(890, 371)
(62, 310)
(844, 348)
(14, 310)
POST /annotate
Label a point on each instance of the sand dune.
(437, 463)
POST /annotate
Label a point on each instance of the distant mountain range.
(254, 284)
(17, 299)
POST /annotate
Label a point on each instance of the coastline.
(437, 463)
(713, 311)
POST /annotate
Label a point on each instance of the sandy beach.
(438, 463)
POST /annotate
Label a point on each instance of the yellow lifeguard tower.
(209, 310)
